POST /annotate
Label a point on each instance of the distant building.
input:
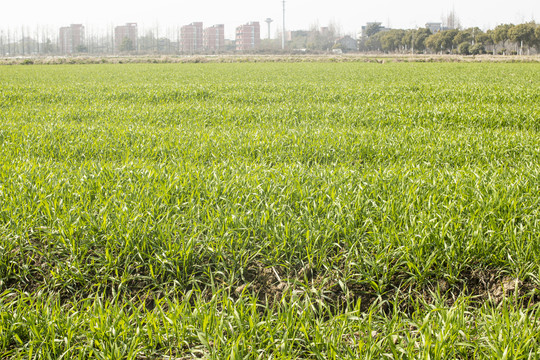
(129, 32)
(191, 37)
(436, 27)
(229, 45)
(248, 36)
(295, 34)
(71, 39)
(214, 38)
(347, 44)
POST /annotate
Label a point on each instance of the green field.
(283, 211)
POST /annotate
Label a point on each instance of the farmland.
(301, 210)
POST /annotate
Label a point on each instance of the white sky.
(349, 14)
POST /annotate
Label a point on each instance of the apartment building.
(71, 39)
(214, 38)
(248, 36)
(125, 37)
(191, 37)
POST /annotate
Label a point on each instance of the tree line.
(505, 39)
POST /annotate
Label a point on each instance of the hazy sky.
(349, 14)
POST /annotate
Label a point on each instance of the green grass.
(280, 211)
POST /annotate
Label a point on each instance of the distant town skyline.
(301, 14)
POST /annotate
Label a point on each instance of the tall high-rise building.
(248, 36)
(71, 38)
(125, 37)
(214, 37)
(191, 37)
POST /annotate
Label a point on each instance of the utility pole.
(283, 32)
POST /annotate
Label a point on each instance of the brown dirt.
(271, 283)
(480, 285)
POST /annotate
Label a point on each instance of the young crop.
(310, 210)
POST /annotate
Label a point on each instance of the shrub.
(464, 48)
(477, 49)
